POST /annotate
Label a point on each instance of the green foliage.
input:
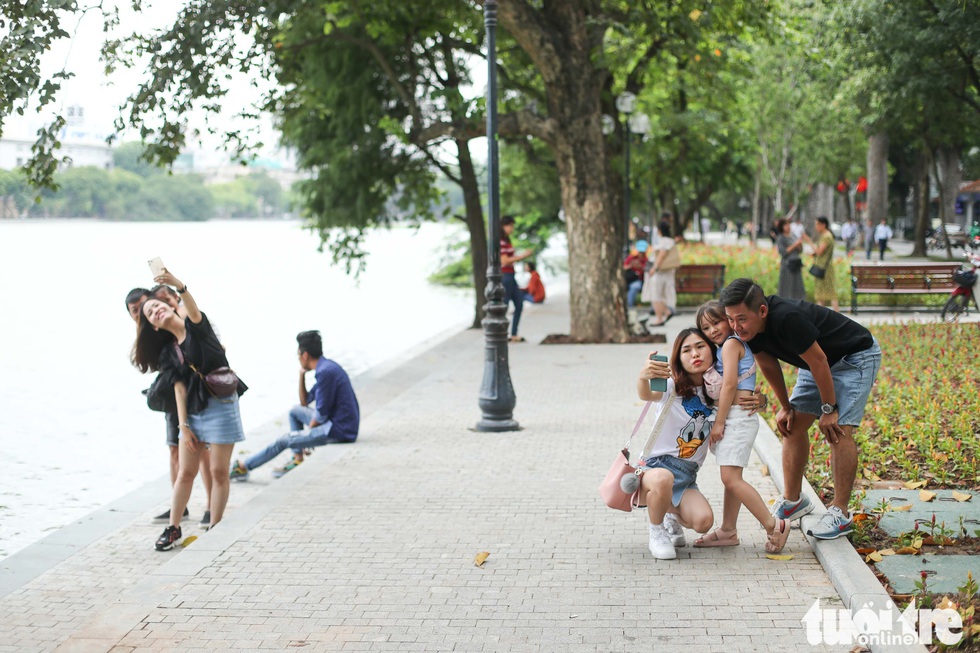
(89, 192)
(28, 29)
(132, 157)
(254, 195)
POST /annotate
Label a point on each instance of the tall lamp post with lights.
(635, 123)
(497, 398)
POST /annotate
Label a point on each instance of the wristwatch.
(827, 409)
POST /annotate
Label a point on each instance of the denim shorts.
(219, 423)
(853, 375)
(685, 474)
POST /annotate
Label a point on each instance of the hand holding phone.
(658, 385)
(156, 267)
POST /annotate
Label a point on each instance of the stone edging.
(856, 585)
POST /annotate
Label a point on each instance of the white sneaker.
(660, 544)
(675, 530)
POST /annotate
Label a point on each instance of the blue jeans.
(632, 291)
(297, 439)
(513, 294)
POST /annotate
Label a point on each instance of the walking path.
(371, 546)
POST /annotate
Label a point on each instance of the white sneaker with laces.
(675, 530)
(660, 544)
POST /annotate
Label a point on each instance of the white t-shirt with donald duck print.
(686, 428)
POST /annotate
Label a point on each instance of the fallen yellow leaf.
(959, 496)
(914, 485)
(907, 551)
(481, 557)
(865, 551)
(188, 540)
(946, 604)
(917, 543)
(904, 508)
(887, 552)
(779, 556)
(874, 556)
(926, 496)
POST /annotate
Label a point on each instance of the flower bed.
(920, 432)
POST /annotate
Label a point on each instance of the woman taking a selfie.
(186, 352)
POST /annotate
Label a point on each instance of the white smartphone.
(156, 267)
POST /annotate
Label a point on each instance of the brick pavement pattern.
(371, 546)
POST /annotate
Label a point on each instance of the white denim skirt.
(735, 447)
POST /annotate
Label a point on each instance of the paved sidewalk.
(370, 546)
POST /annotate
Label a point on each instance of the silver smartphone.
(156, 267)
(658, 385)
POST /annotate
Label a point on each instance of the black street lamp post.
(497, 397)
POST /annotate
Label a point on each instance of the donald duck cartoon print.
(695, 433)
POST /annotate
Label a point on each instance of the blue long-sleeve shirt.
(335, 401)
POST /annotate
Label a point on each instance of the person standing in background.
(869, 237)
(882, 233)
(824, 288)
(512, 294)
(791, 265)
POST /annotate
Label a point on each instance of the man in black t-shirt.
(838, 361)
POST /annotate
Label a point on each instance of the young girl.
(668, 482)
(731, 381)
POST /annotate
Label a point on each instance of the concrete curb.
(856, 585)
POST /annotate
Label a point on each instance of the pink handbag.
(611, 488)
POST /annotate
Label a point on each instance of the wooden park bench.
(700, 279)
(901, 279)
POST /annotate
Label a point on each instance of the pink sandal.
(718, 537)
(776, 540)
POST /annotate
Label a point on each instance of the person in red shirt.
(534, 291)
(507, 259)
(635, 267)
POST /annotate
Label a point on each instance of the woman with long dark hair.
(185, 351)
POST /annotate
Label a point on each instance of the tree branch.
(512, 124)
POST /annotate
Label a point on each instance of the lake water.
(75, 430)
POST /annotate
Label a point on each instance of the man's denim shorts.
(854, 375)
(685, 474)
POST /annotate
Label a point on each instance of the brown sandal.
(718, 537)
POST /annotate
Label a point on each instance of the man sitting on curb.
(838, 360)
(335, 416)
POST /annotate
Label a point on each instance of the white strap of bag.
(656, 427)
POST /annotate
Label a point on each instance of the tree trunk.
(946, 168)
(562, 39)
(597, 297)
(878, 177)
(476, 226)
(920, 204)
(756, 208)
(952, 179)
